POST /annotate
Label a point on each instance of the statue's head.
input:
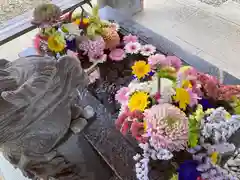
(36, 88)
(26, 79)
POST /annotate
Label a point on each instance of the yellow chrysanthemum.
(84, 20)
(56, 43)
(141, 69)
(182, 97)
(214, 157)
(138, 101)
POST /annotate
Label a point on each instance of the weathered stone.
(78, 124)
(37, 94)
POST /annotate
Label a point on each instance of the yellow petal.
(214, 157)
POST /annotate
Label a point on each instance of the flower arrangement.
(87, 37)
(167, 107)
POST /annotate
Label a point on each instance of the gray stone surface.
(129, 7)
(37, 94)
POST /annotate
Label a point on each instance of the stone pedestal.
(129, 7)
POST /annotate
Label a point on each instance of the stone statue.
(37, 109)
(129, 7)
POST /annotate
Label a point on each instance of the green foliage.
(95, 24)
(174, 177)
(193, 135)
(194, 126)
(236, 104)
(164, 73)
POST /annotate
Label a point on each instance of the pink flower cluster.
(212, 88)
(160, 60)
(93, 48)
(132, 121)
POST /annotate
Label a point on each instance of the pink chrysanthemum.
(117, 54)
(132, 47)
(175, 62)
(122, 95)
(130, 38)
(168, 127)
(158, 60)
(94, 48)
(148, 50)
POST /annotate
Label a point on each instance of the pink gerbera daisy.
(130, 38)
(148, 50)
(132, 47)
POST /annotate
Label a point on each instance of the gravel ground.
(214, 2)
(12, 8)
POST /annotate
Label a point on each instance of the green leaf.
(237, 110)
(163, 74)
(194, 126)
(174, 177)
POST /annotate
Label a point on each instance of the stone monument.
(38, 104)
(129, 7)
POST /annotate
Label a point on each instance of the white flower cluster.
(209, 170)
(151, 87)
(233, 164)
(218, 127)
(147, 86)
(148, 153)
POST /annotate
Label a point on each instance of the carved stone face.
(36, 99)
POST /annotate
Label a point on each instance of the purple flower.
(188, 170)
(206, 104)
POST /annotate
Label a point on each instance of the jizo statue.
(37, 108)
